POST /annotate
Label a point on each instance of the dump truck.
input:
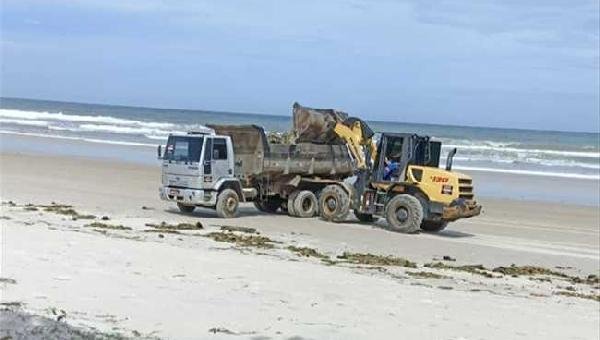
(236, 163)
(335, 167)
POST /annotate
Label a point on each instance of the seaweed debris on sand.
(376, 260)
(307, 252)
(101, 225)
(179, 226)
(240, 229)
(64, 209)
(427, 275)
(476, 269)
(242, 240)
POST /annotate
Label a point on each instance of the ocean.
(530, 152)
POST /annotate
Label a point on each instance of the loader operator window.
(394, 149)
(183, 149)
(392, 159)
(219, 148)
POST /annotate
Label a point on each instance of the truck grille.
(465, 188)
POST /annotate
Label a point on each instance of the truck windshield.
(183, 149)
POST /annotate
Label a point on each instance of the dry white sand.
(183, 285)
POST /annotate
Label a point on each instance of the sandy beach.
(299, 170)
(278, 276)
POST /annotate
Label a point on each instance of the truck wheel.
(367, 218)
(290, 203)
(227, 203)
(334, 203)
(305, 204)
(186, 208)
(404, 213)
(434, 225)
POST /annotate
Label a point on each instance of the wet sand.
(181, 285)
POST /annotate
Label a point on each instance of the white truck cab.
(197, 168)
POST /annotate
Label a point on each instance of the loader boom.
(363, 149)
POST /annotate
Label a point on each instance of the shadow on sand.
(448, 234)
(211, 214)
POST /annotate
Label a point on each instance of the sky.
(505, 63)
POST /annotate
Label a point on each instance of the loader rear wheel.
(305, 204)
(366, 218)
(268, 205)
(290, 203)
(188, 209)
(404, 213)
(434, 225)
(227, 203)
(334, 203)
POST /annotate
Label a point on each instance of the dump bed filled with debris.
(255, 156)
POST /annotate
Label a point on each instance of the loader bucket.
(316, 125)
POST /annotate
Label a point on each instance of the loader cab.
(396, 151)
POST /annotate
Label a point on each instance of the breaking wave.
(557, 160)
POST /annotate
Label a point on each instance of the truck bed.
(255, 157)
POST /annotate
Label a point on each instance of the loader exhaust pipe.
(450, 159)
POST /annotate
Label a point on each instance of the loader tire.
(227, 203)
(305, 204)
(365, 218)
(268, 206)
(290, 203)
(434, 226)
(404, 214)
(186, 209)
(334, 203)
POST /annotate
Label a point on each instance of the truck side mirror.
(450, 159)
(159, 152)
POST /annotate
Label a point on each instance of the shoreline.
(489, 185)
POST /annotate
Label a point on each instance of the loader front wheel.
(227, 203)
(404, 213)
(334, 203)
(305, 204)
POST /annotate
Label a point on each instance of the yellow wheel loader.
(398, 178)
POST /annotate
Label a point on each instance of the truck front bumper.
(188, 196)
(461, 209)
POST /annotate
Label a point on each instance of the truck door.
(220, 165)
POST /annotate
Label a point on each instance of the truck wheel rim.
(307, 204)
(402, 214)
(331, 204)
(230, 203)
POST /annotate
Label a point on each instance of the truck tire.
(227, 203)
(366, 218)
(334, 203)
(305, 204)
(404, 213)
(268, 206)
(187, 209)
(434, 226)
(290, 203)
